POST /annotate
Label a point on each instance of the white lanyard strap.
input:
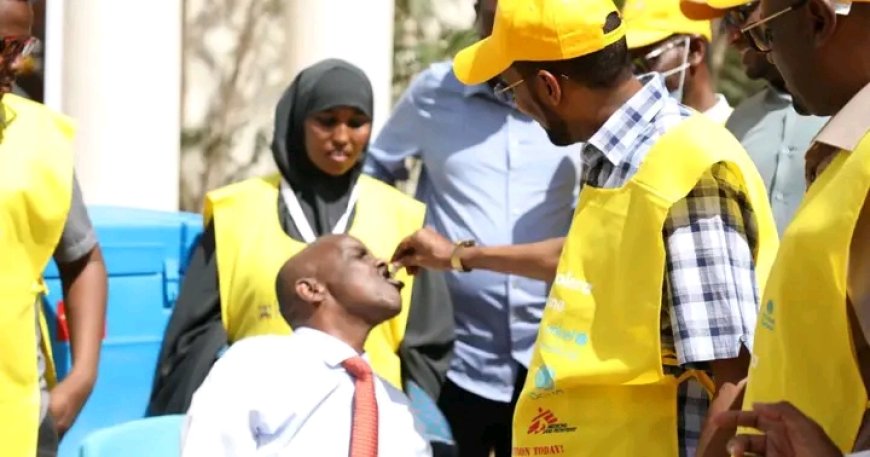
(295, 210)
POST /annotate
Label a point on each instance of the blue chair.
(435, 427)
(151, 437)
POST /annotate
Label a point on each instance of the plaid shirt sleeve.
(710, 290)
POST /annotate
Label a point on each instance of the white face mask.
(682, 68)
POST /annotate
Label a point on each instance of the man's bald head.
(336, 277)
(297, 271)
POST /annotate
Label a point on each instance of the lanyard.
(302, 222)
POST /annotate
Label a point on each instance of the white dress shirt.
(289, 396)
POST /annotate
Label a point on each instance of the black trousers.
(480, 425)
(47, 443)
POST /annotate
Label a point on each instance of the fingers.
(783, 410)
(405, 248)
(742, 444)
(733, 419)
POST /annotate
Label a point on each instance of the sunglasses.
(759, 33)
(14, 47)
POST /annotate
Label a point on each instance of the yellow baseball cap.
(651, 21)
(709, 9)
(538, 31)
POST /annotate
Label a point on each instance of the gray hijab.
(327, 84)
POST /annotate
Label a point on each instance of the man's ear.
(310, 290)
(698, 49)
(552, 86)
(823, 20)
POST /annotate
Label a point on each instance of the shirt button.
(778, 196)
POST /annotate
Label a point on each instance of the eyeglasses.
(737, 17)
(506, 92)
(647, 62)
(759, 34)
(14, 47)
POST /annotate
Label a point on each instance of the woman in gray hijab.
(322, 130)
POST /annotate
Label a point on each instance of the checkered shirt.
(709, 293)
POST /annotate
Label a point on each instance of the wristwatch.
(455, 262)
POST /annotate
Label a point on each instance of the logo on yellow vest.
(572, 336)
(265, 311)
(546, 422)
(555, 304)
(767, 319)
(545, 384)
(570, 282)
(544, 378)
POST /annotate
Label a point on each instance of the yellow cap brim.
(636, 38)
(709, 9)
(480, 62)
(699, 10)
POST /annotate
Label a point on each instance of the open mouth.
(388, 275)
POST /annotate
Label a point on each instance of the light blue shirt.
(776, 138)
(489, 174)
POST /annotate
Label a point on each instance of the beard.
(557, 130)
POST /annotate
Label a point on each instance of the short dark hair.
(601, 69)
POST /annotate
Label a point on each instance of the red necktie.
(364, 435)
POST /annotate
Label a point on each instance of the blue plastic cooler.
(146, 253)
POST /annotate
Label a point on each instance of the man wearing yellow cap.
(662, 39)
(654, 297)
(811, 342)
(775, 133)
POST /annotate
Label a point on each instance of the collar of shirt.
(721, 110)
(850, 124)
(774, 95)
(332, 350)
(614, 140)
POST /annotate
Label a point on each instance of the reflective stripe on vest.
(803, 344)
(36, 165)
(252, 247)
(596, 385)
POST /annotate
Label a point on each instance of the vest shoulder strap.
(257, 189)
(31, 110)
(681, 156)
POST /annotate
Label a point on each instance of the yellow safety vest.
(596, 385)
(803, 349)
(36, 167)
(252, 247)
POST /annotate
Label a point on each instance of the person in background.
(41, 215)
(655, 291)
(254, 401)
(811, 347)
(489, 176)
(775, 133)
(322, 130)
(662, 39)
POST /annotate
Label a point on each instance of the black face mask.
(325, 85)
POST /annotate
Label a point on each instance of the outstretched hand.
(426, 248)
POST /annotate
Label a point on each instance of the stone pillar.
(359, 31)
(121, 82)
